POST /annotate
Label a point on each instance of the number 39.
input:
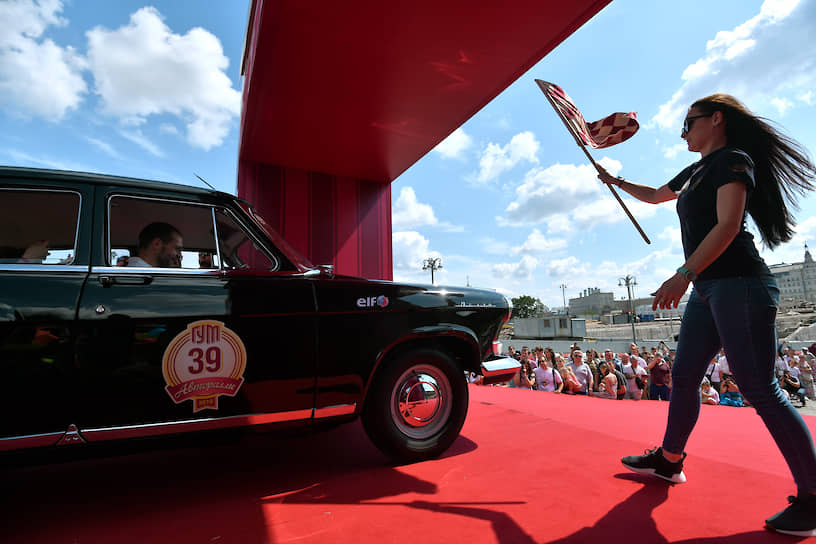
(209, 360)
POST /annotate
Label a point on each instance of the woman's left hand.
(606, 177)
(670, 292)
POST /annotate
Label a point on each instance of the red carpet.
(529, 468)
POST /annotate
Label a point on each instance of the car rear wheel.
(416, 406)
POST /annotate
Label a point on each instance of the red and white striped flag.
(606, 132)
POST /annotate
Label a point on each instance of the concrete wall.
(563, 345)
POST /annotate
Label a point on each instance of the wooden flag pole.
(598, 168)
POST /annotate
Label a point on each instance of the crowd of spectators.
(647, 375)
(794, 370)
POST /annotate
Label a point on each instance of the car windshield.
(294, 255)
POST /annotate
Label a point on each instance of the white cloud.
(698, 69)
(578, 274)
(521, 270)
(781, 104)
(793, 251)
(541, 275)
(558, 223)
(167, 128)
(37, 77)
(570, 200)
(496, 159)
(671, 152)
(137, 137)
(649, 272)
(26, 159)
(672, 234)
(503, 123)
(23, 19)
(409, 213)
(764, 62)
(449, 227)
(454, 146)
(105, 147)
(555, 189)
(561, 268)
(143, 69)
(410, 248)
(493, 246)
(539, 243)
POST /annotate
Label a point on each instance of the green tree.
(527, 306)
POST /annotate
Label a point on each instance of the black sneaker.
(798, 519)
(654, 463)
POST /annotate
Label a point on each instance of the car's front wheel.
(416, 405)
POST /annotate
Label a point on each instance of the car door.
(213, 342)
(44, 256)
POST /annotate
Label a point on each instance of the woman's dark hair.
(782, 168)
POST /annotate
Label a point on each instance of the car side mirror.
(327, 269)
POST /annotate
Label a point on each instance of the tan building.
(797, 281)
(591, 302)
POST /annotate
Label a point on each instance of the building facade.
(591, 302)
(797, 281)
(549, 327)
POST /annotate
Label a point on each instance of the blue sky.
(507, 201)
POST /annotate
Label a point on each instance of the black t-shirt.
(697, 208)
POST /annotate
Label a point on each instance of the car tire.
(416, 405)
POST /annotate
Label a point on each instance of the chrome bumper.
(499, 370)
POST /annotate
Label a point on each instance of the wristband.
(620, 181)
(690, 275)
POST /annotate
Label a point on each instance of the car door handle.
(130, 279)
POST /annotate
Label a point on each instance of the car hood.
(420, 295)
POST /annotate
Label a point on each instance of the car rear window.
(38, 226)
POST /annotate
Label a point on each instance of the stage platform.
(529, 467)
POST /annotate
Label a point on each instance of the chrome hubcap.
(421, 401)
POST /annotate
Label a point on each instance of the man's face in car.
(170, 253)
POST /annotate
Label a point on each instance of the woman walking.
(746, 166)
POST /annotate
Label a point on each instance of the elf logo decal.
(203, 362)
(371, 302)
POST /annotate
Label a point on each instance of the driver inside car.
(160, 245)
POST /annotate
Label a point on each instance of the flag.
(610, 130)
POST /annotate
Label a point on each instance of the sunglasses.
(689, 122)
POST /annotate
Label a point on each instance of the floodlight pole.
(630, 281)
(432, 263)
(563, 287)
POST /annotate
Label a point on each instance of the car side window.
(38, 226)
(238, 250)
(146, 232)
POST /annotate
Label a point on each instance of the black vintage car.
(131, 308)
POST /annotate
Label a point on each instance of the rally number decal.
(203, 362)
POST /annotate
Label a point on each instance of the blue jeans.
(739, 315)
(799, 393)
(659, 392)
